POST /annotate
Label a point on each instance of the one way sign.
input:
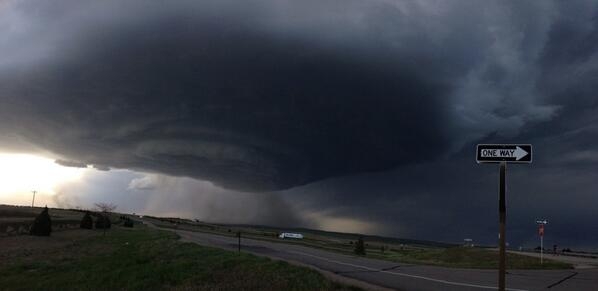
(512, 153)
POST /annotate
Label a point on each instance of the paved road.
(405, 276)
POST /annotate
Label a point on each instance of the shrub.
(102, 222)
(360, 247)
(128, 223)
(87, 222)
(42, 225)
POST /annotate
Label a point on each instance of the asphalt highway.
(404, 276)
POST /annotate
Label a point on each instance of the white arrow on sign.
(520, 153)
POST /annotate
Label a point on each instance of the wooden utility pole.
(33, 201)
(502, 212)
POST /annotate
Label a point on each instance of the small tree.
(87, 222)
(42, 225)
(103, 220)
(105, 207)
(360, 247)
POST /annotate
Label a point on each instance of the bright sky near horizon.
(72, 187)
(23, 173)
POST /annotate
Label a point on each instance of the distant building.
(290, 235)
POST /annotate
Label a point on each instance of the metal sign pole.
(541, 250)
(541, 223)
(502, 212)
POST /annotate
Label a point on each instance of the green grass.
(146, 259)
(453, 257)
(461, 257)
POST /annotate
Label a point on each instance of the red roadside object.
(541, 230)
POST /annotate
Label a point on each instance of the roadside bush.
(102, 222)
(42, 225)
(128, 222)
(87, 222)
(360, 247)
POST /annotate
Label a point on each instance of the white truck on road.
(290, 235)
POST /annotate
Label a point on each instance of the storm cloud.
(263, 95)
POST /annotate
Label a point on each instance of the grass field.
(418, 252)
(462, 257)
(144, 258)
(141, 259)
(16, 220)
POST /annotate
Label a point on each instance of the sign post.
(239, 241)
(541, 224)
(503, 154)
(502, 221)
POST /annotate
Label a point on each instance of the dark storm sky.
(367, 109)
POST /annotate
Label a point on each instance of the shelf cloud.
(269, 95)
